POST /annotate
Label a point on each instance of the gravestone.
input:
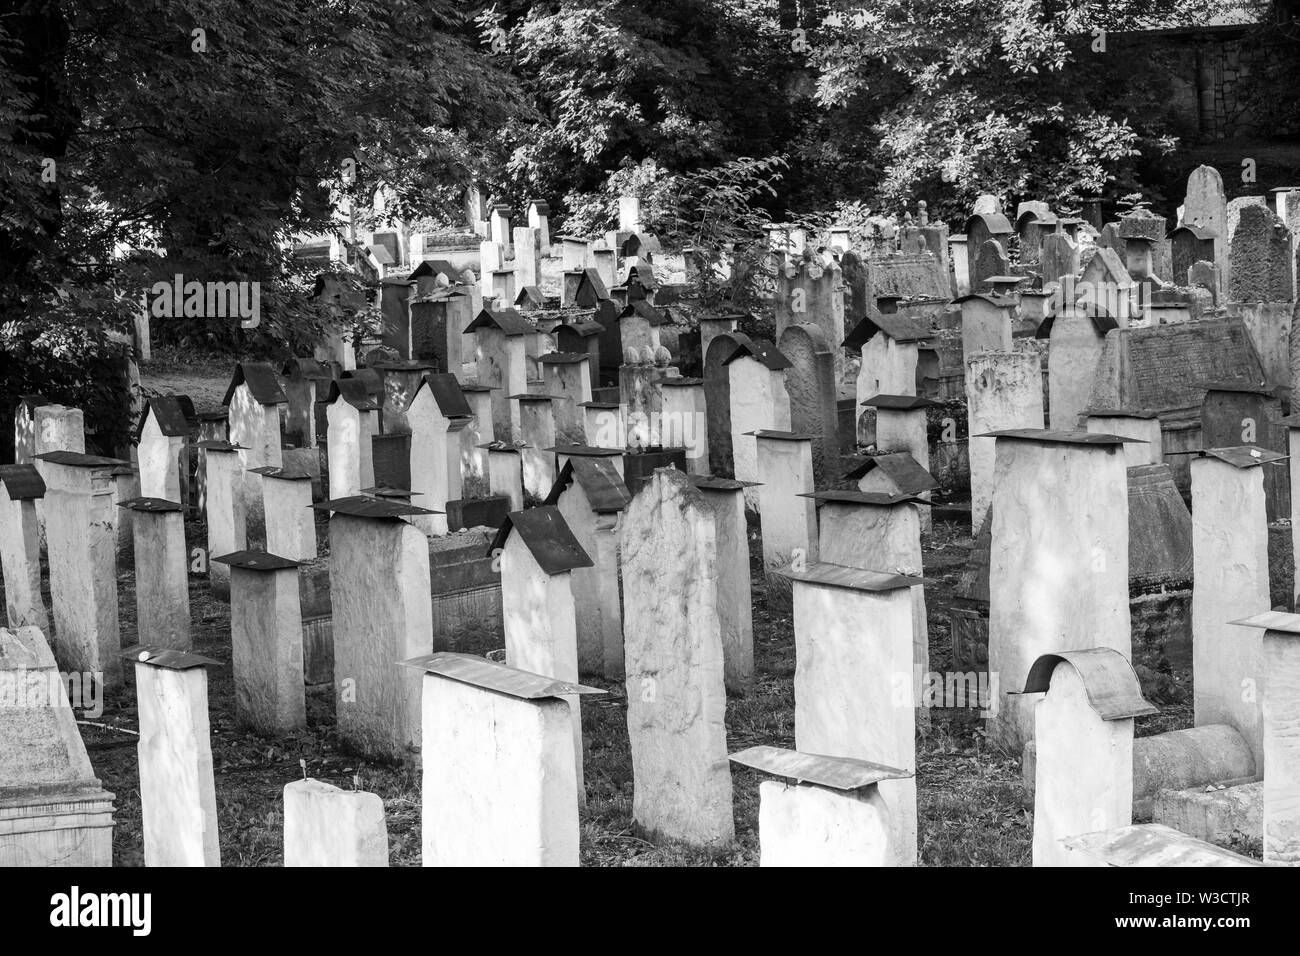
(55, 813)
(675, 689)
(1003, 390)
(759, 400)
(20, 546)
(178, 802)
(327, 826)
(162, 601)
(1059, 258)
(223, 509)
(810, 384)
(788, 520)
(725, 499)
(717, 400)
(1262, 267)
(990, 260)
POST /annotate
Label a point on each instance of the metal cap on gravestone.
(1051, 437)
(900, 328)
(174, 414)
(257, 561)
(354, 391)
(830, 575)
(600, 482)
(908, 475)
(1005, 285)
(837, 773)
(167, 657)
(259, 377)
(714, 483)
(151, 505)
(508, 321)
(587, 451)
(777, 435)
(1241, 456)
(22, 482)
(282, 474)
(548, 538)
(899, 403)
(761, 352)
(366, 506)
(1111, 684)
(489, 675)
(217, 444)
(77, 459)
(305, 368)
(870, 499)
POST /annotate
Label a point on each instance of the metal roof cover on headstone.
(837, 773)
(600, 482)
(489, 675)
(715, 483)
(643, 309)
(585, 451)
(564, 358)
(776, 434)
(907, 474)
(305, 368)
(364, 506)
(257, 561)
(447, 393)
(1109, 680)
(508, 321)
(901, 403)
(354, 392)
(853, 579)
(548, 538)
(1280, 621)
(531, 295)
(680, 381)
(1057, 437)
(174, 414)
(878, 499)
(1241, 456)
(167, 657)
(77, 459)
(769, 355)
(146, 505)
(261, 381)
(1101, 322)
(898, 326)
(220, 444)
(435, 267)
(22, 482)
(282, 474)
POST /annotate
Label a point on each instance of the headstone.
(1141, 426)
(538, 555)
(1230, 571)
(789, 521)
(380, 586)
(829, 813)
(266, 641)
(82, 551)
(717, 401)
(591, 496)
(1075, 336)
(537, 433)
(1084, 746)
(437, 414)
(224, 509)
(55, 812)
(1003, 390)
(810, 384)
(20, 547)
(853, 694)
(162, 599)
(1059, 258)
(253, 399)
(160, 440)
(506, 473)
(499, 781)
(990, 260)
(759, 400)
(685, 421)
(1261, 254)
(353, 423)
(327, 826)
(725, 499)
(675, 690)
(985, 323)
(178, 800)
(1058, 574)
(290, 521)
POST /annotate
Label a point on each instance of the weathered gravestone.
(327, 826)
(53, 811)
(1261, 256)
(810, 383)
(162, 601)
(20, 546)
(675, 688)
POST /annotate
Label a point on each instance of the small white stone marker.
(725, 498)
(436, 415)
(353, 421)
(1084, 739)
(223, 507)
(788, 518)
(290, 521)
(499, 781)
(327, 826)
(177, 792)
(829, 814)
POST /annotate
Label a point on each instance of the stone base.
(56, 827)
(477, 512)
(1213, 815)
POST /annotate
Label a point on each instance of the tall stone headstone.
(1058, 571)
(853, 687)
(1230, 571)
(178, 799)
(223, 509)
(1003, 390)
(21, 487)
(789, 520)
(1261, 254)
(810, 383)
(162, 599)
(675, 686)
(379, 592)
(726, 500)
